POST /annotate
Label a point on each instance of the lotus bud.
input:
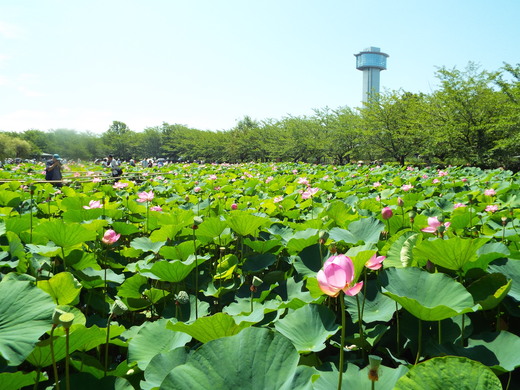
(66, 320)
(387, 213)
(257, 281)
(440, 218)
(400, 202)
(412, 214)
(504, 221)
(324, 235)
(118, 308)
(182, 297)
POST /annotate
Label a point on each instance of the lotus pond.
(260, 276)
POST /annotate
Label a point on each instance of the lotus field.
(260, 276)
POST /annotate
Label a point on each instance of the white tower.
(371, 61)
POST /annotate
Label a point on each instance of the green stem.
(360, 323)
(419, 343)
(462, 332)
(54, 366)
(196, 277)
(440, 332)
(37, 380)
(398, 330)
(106, 345)
(67, 359)
(342, 342)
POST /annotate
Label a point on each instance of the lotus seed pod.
(56, 316)
(412, 213)
(66, 320)
(257, 281)
(182, 297)
(197, 220)
(119, 308)
(324, 235)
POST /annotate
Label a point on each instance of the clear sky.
(81, 64)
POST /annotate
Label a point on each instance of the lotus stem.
(37, 380)
(196, 277)
(360, 322)
(54, 367)
(342, 342)
(440, 332)
(462, 331)
(106, 345)
(419, 343)
(398, 336)
(67, 359)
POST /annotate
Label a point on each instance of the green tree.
(120, 140)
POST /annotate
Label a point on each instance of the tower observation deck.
(371, 61)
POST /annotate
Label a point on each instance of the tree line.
(472, 117)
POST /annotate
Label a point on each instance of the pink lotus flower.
(145, 196)
(434, 224)
(375, 262)
(156, 208)
(110, 237)
(277, 199)
(457, 205)
(407, 187)
(376, 184)
(234, 206)
(303, 180)
(77, 174)
(337, 274)
(96, 180)
(197, 189)
(435, 181)
(490, 192)
(120, 185)
(309, 193)
(491, 208)
(464, 179)
(93, 204)
(212, 177)
(387, 213)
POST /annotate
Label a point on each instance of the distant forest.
(472, 118)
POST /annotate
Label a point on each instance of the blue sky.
(207, 63)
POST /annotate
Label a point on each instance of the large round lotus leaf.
(62, 287)
(209, 328)
(154, 338)
(309, 327)
(25, 315)
(490, 290)
(17, 380)
(65, 235)
(449, 373)
(357, 379)
(429, 297)
(377, 306)
(256, 358)
(453, 254)
(161, 365)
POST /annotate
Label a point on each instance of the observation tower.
(371, 61)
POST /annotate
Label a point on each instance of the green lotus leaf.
(400, 251)
(226, 266)
(25, 315)
(133, 287)
(259, 262)
(63, 288)
(243, 223)
(452, 254)
(19, 224)
(18, 380)
(450, 372)
(258, 357)
(154, 338)
(181, 251)
(210, 229)
(260, 246)
(511, 269)
(146, 245)
(497, 350)
(91, 278)
(65, 234)
(429, 297)
(355, 378)
(308, 328)
(160, 366)
(126, 229)
(10, 198)
(171, 271)
(490, 290)
(377, 306)
(210, 328)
